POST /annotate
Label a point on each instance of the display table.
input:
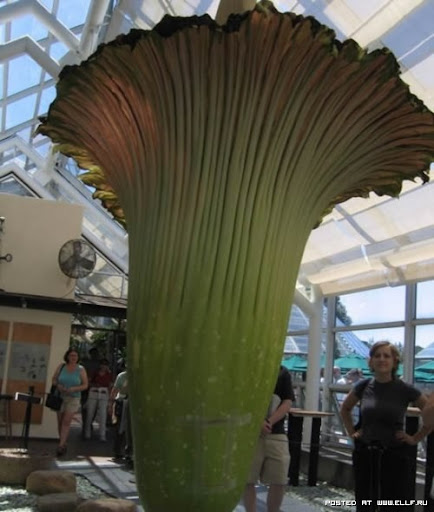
(295, 435)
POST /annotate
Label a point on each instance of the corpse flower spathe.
(221, 147)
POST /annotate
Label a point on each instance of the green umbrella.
(427, 367)
(295, 363)
(423, 376)
(347, 363)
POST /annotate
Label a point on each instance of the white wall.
(33, 232)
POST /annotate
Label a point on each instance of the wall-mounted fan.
(77, 258)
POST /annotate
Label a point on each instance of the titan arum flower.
(221, 147)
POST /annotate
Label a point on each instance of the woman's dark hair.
(394, 351)
(66, 356)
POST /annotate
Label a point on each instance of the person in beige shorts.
(271, 460)
(70, 379)
(70, 404)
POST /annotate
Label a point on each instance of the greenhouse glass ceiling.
(363, 243)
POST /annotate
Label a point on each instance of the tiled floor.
(92, 459)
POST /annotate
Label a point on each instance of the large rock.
(107, 505)
(17, 464)
(49, 482)
(65, 501)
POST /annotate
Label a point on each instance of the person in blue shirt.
(70, 379)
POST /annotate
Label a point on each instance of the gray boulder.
(49, 482)
(107, 505)
(65, 501)
(17, 464)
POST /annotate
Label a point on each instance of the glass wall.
(424, 302)
(424, 337)
(403, 315)
(375, 306)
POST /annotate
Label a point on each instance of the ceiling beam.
(27, 45)
(377, 26)
(14, 10)
(23, 301)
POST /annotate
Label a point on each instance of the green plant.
(221, 148)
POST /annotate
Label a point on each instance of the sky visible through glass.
(387, 305)
(24, 72)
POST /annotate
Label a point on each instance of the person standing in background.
(98, 400)
(353, 376)
(382, 457)
(341, 381)
(91, 365)
(271, 460)
(119, 409)
(70, 379)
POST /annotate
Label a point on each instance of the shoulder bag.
(53, 400)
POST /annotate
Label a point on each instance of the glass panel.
(8, 154)
(3, 80)
(25, 134)
(44, 149)
(367, 8)
(350, 343)
(28, 25)
(20, 111)
(47, 97)
(423, 73)
(424, 302)
(48, 4)
(394, 334)
(39, 139)
(424, 358)
(359, 360)
(30, 166)
(24, 72)
(58, 50)
(347, 357)
(20, 158)
(368, 307)
(9, 185)
(102, 285)
(298, 321)
(404, 37)
(285, 5)
(424, 342)
(72, 167)
(104, 281)
(74, 14)
(2, 29)
(296, 344)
